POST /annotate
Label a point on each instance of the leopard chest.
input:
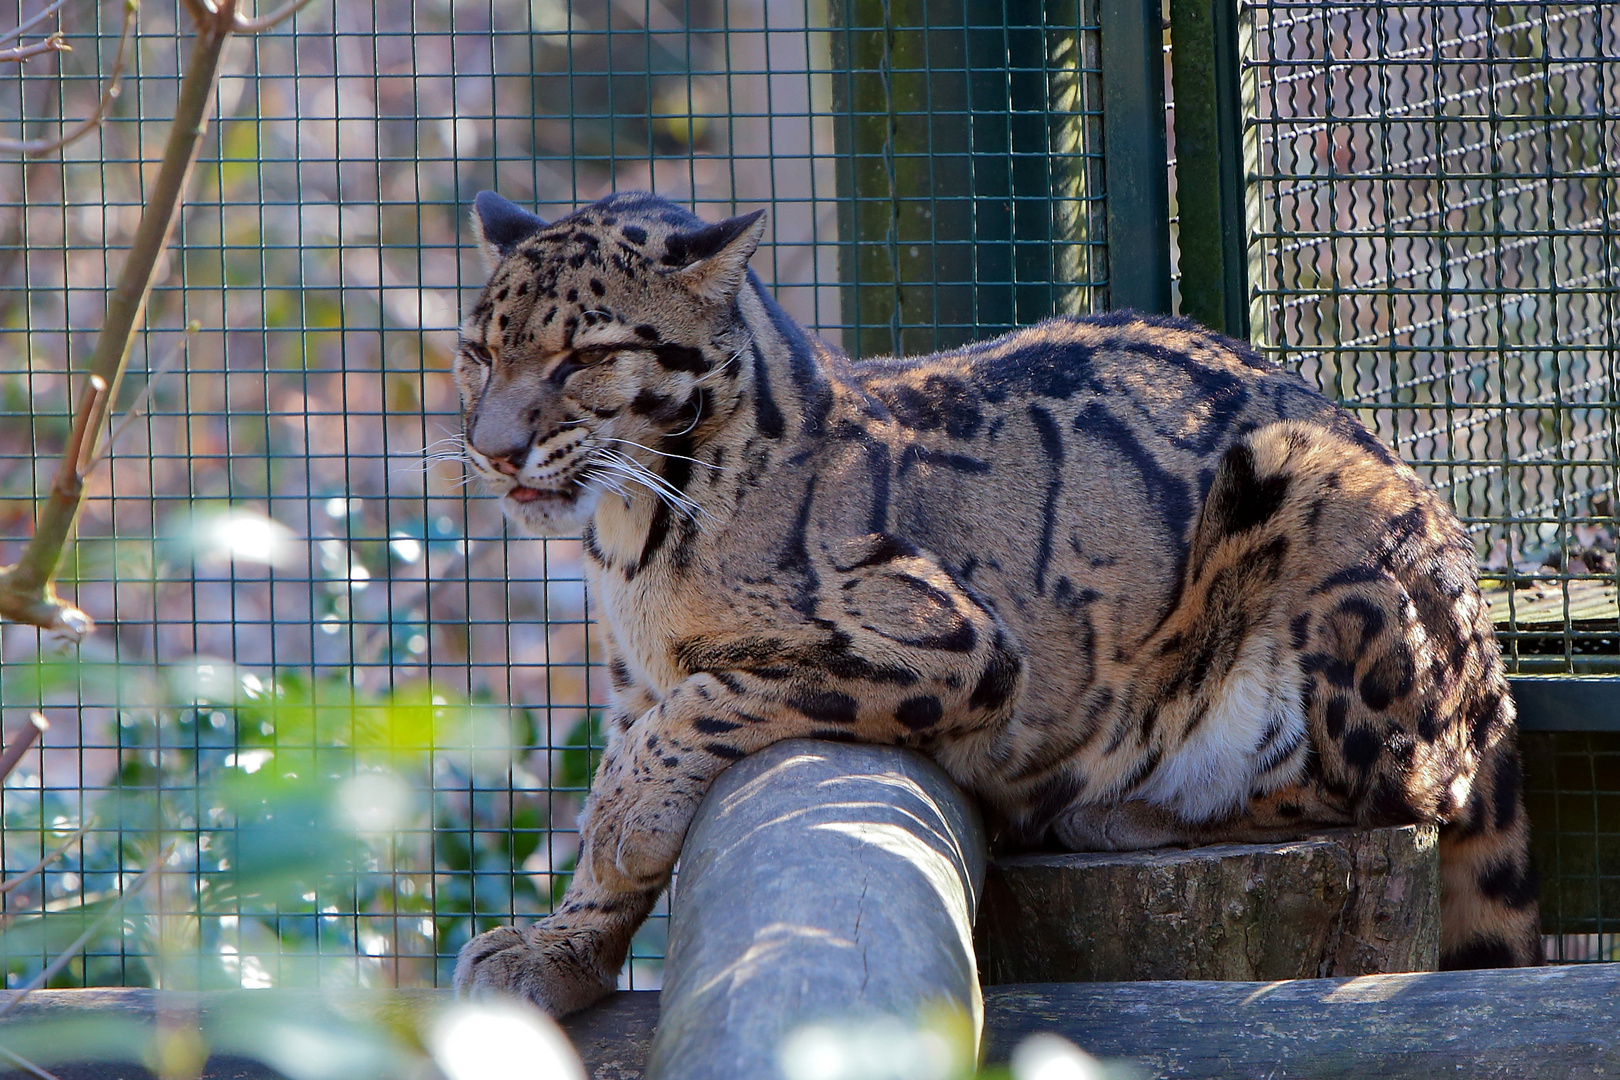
(646, 615)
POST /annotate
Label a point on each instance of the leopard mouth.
(544, 496)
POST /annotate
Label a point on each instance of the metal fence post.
(1134, 149)
(1209, 164)
(964, 179)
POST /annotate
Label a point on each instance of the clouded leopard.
(1128, 583)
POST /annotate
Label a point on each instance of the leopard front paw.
(560, 970)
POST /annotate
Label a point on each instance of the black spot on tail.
(1484, 718)
(1364, 611)
(1505, 790)
(1241, 499)
(1389, 679)
(1334, 715)
(1486, 951)
(1505, 883)
(1337, 672)
(1299, 629)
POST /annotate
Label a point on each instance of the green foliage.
(304, 815)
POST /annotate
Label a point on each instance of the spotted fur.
(1125, 581)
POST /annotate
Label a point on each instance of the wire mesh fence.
(276, 559)
(1436, 248)
(1434, 244)
(290, 582)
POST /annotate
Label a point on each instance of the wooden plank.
(1543, 604)
(1546, 1023)
(1553, 1023)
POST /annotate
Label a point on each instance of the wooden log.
(1343, 903)
(818, 881)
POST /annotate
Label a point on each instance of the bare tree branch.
(108, 94)
(31, 22)
(266, 22)
(18, 746)
(138, 406)
(18, 54)
(27, 589)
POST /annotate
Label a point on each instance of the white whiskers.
(663, 453)
(451, 448)
(604, 460)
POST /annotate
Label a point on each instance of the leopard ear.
(713, 260)
(500, 225)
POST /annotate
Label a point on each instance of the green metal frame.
(1138, 187)
(1210, 179)
(1567, 704)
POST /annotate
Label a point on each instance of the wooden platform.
(1561, 1022)
(1543, 605)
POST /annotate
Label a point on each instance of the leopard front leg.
(925, 662)
(566, 961)
(653, 775)
(571, 958)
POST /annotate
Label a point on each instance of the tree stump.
(1339, 903)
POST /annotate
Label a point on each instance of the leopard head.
(602, 343)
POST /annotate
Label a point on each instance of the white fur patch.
(1215, 770)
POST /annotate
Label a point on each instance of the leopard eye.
(477, 352)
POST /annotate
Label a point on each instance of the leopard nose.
(503, 463)
(505, 445)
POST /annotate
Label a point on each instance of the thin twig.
(31, 22)
(68, 477)
(108, 94)
(19, 53)
(138, 406)
(266, 22)
(61, 849)
(28, 1066)
(83, 939)
(19, 744)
